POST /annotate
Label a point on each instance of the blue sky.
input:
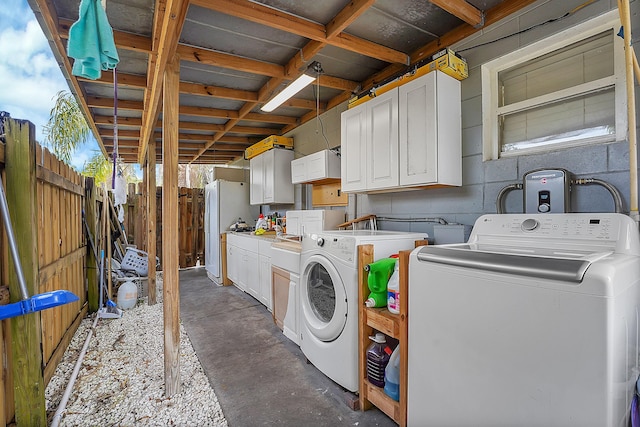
(30, 74)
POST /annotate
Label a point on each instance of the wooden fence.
(191, 223)
(57, 196)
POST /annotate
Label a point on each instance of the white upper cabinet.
(316, 168)
(271, 177)
(407, 137)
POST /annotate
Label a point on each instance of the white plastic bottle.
(392, 375)
(393, 291)
(127, 294)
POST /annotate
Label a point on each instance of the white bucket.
(127, 295)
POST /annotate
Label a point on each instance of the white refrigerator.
(225, 202)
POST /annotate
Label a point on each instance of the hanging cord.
(319, 70)
(560, 18)
(115, 127)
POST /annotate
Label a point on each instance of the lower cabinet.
(249, 266)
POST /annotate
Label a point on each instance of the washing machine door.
(323, 299)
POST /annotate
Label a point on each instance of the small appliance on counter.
(240, 225)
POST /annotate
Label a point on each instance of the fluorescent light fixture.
(296, 86)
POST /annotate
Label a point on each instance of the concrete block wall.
(482, 180)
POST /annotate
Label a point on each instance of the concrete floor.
(260, 376)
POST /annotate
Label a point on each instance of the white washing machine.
(329, 296)
(533, 322)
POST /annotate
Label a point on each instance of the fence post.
(90, 202)
(20, 169)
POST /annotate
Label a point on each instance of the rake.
(27, 304)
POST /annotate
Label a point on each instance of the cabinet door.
(256, 191)
(232, 267)
(418, 143)
(250, 265)
(282, 186)
(268, 174)
(241, 272)
(317, 165)
(299, 170)
(294, 223)
(265, 281)
(382, 141)
(280, 283)
(353, 150)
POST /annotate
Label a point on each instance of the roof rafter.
(292, 70)
(169, 34)
(463, 10)
(292, 24)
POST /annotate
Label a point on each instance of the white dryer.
(329, 296)
(533, 322)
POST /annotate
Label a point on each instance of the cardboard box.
(449, 63)
(446, 61)
(451, 233)
(268, 143)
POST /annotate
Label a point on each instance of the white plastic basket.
(135, 260)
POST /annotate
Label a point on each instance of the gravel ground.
(121, 381)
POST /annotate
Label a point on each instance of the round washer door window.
(323, 298)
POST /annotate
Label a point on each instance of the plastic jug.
(127, 295)
(393, 291)
(261, 223)
(392, 376)
(377, 359)
(379, 273)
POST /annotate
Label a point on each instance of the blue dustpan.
(27, 304)
(37, 303)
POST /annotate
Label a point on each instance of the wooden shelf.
(384, 321)
(392, 325)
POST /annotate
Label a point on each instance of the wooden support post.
(20, 169)
(170, 247)
(93, 269)
(151, 219)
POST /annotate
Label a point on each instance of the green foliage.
(101, 170)
(98, 167)
(66, 128)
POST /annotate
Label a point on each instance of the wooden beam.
(462, 10)
(151, 221)
(26, 333)
(170, 247)
(122, 121)
(269, 118)
(492, 16)
(216, 91)
(90, 203)
(225, 60)
(346, 16)
(169, 34)
(283, 21)
(122, 39)
(97, 102)
(124, 80)
(208, 112)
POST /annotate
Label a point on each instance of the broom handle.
(6, 219)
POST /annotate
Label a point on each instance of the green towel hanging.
(91, 42)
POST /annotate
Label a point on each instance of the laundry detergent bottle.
(379, 273)
(377, 359)
(393, 291)
(392, 376)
